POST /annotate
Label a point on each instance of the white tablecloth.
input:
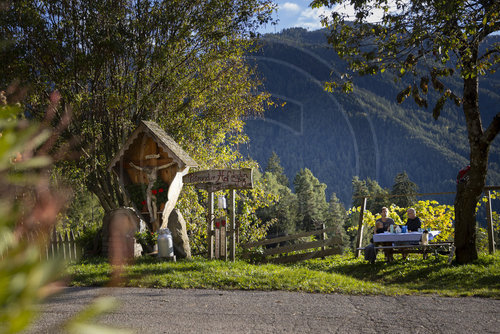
(397, 237)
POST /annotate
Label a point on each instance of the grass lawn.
(335, 274)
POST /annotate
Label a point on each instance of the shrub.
(147, 240)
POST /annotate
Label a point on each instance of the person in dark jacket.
(413, 223)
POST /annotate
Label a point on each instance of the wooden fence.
(327, 246)
(61, 245)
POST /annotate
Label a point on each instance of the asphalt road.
(212, 311)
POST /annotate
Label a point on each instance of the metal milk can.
(165, 243)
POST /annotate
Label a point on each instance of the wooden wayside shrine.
(150, 167)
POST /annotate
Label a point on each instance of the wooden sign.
(218, 179)
(220, 239)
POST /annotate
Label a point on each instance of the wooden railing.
(326, 246)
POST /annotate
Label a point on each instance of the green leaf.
(438, 107)
(424, 84)
(403, 94)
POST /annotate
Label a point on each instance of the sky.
(297, 13)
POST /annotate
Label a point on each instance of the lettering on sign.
(221, 179)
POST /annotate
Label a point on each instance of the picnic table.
(402, 237)
(410, 243)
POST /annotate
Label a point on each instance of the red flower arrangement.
(137, 193)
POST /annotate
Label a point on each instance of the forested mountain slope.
(366, 133)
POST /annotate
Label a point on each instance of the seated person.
(382, 225)
(413, 223)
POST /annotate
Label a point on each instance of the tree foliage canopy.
(179, 63)
(426, 40)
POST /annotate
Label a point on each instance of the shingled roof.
(163, 140)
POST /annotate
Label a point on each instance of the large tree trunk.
(469, 192)
(465, 221)
(106, 190)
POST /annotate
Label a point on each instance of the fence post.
(70, 245)
(217, 238)
(323, 238)
(210, 225)
(61, 244)
(53, 242)
(232, 223)
(223, 240)
(359, 241)
(491, 236)
(79, 251)
(75, 246)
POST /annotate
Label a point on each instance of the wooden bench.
(435, 248)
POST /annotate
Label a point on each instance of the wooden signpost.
(220, 179)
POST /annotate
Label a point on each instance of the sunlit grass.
(335, 274)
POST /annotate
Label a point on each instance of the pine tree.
(312, 205)
(378, 199)
(274, 167)
(336, 217)
(378, 195)
(359, 189)
(406, 188)
(283, 211)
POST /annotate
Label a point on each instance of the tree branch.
(490, 52)
(490, 29)
(493, 129)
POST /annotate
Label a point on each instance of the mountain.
(366, 133)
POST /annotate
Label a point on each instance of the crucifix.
(151, 174)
